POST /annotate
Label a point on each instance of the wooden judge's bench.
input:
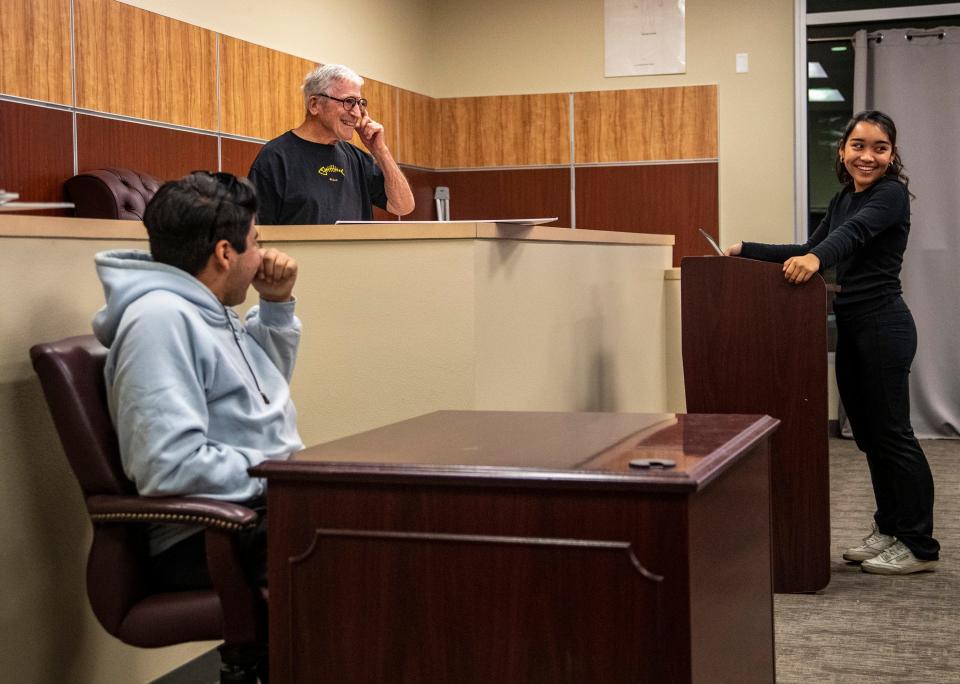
(487, 546)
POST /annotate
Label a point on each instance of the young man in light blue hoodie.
(197, 395)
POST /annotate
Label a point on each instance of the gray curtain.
(916, 80)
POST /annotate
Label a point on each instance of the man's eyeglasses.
(348, 102)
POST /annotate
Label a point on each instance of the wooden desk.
(520, 547)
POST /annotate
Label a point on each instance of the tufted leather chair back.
(72, 374)
(111, 193)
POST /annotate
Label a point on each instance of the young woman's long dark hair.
(886, 124)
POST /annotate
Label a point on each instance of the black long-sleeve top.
(865, 235)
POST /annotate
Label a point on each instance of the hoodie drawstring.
(236, 339)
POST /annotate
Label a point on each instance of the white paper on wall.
(643, 37)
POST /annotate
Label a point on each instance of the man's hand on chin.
(371, 134)
(276, 276)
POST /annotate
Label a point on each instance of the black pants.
(874, 354)
(183, 566)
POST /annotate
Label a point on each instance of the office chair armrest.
(209, 513)
(243, 604)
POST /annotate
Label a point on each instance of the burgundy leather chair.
(111, 193)
(118, 584)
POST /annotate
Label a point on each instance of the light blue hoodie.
(197, 397)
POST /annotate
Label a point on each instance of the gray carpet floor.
(874, 628)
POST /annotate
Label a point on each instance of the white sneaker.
(897, 559)
(872, 545)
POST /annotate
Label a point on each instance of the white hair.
(320, 79)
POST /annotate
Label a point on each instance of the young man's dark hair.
(187, 217)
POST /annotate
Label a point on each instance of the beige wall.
(388, 41)
(591, 339)
(395, 329)
(676, 397)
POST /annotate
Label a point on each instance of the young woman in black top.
(864, 234)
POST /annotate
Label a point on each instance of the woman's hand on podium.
(800, 269)
(733, 250)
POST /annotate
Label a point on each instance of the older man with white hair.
(314, 175)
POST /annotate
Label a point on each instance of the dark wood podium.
(754, 343)
(471, 546)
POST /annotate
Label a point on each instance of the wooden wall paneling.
(508, 193)
(35, 50)
(236, 156)
(140, 64)
(382, 107)
(162, 152)
(260, 95)
(505, 130)
(421, 183)
(419, 134)
(470, 132)
(535, 129)
(36, 151)
(383, 215)
(670, 199)
(646, 124)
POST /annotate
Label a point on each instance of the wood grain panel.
(236, 156)
(508, 193)
(36, 152)
(35, 49)
(646, 124)
(140, 64)
(419, 141)
(260, 95)
(471, 135)
(540, 607)
(735, 361)
(382, 107)
(509, 130)
(161, 152)
(422, 184)
(536, 129)
(672, 199)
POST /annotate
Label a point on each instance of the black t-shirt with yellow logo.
(303, 183)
